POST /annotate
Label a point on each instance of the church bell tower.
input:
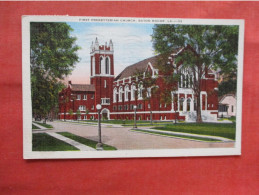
(102, 72)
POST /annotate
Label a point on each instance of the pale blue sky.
(132, 43)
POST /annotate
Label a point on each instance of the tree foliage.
(198, 48)
(147, 84)
(227, 87)
(53, 54)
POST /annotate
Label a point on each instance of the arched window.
(100, 65)
(188, 104)
(187, 81)
(149, 92)
(140, 91)
(120, 93)
(191, 82)
(93, 65)
(107, 66)
(180, 81)
(126, 93)
(133, 90)
(115, 95)
(183, 80)
(186, 78)
(181, 104)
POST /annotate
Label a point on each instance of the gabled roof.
(82, 87)
(221, 98)
(139, 66)
(142, 65)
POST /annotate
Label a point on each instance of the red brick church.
(118, 96)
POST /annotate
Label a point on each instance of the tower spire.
(92, 46)
(111, 45)
(96, 44)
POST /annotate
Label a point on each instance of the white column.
(192, 104)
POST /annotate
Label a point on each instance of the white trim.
(144, 112)
(115, 93)
(206, 99)
(27, 116)
(105, 101)
(102, 52)
(120, 94)
(126, 93)
(101, 75)
(108, 112)
(109, 68)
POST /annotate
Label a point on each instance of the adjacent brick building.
(118, 96)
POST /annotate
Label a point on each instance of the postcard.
(112, 87)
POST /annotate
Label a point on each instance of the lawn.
(45, 125)
(232, 118)
(88, 142)
(214, 129)
(129, 122)
(45, 142)
(180, 136)
(34, 127)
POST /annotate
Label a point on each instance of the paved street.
(124, 139)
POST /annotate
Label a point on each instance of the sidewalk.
(74, 143)
(92, 124)
(124, 139)
(39, 126)
(187, 134)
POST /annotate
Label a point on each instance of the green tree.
(78, 114)
(71, 113)
(149, 89)
(168, 79)
(203, 47)
(226, 87)
(53, 55)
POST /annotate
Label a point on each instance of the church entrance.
(105, 114)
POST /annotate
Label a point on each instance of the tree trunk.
(198, 111)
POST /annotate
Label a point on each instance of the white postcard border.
(27, 106)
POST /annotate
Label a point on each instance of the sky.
(132, 43)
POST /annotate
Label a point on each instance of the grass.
(34, 127)
(180, 136)
(232, 118)
(130, 122)
(88, 142)
(44, 125)
(45, 142)
(214, 129)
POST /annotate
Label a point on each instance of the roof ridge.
(132, 65)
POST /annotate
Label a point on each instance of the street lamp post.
(99, 145)
(135, 109)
